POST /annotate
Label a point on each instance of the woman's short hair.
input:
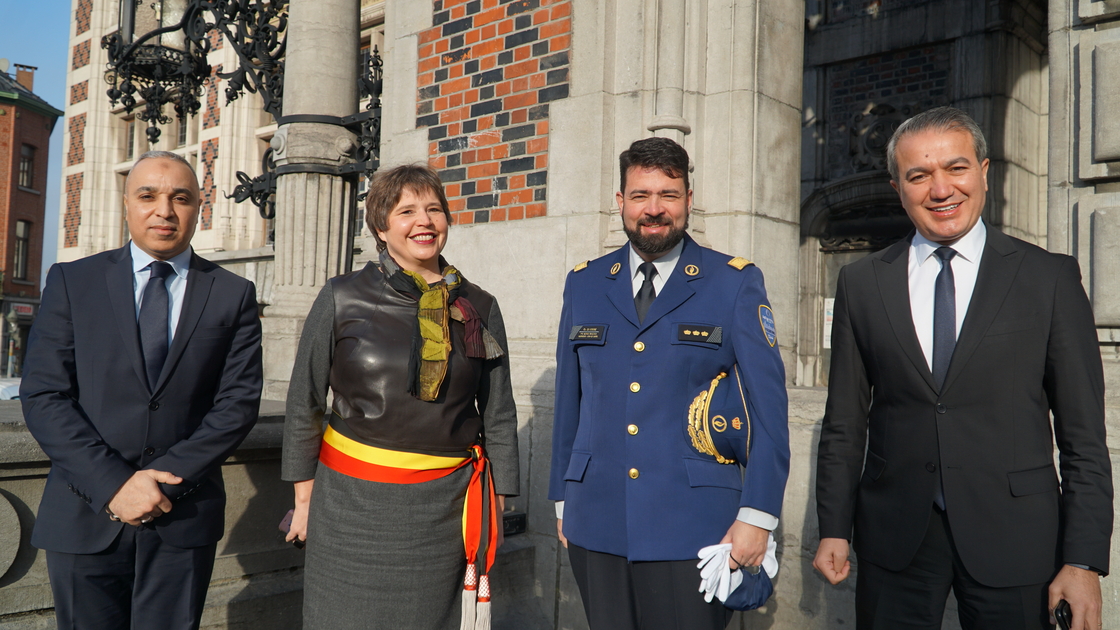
(385, 193)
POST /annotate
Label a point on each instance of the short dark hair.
(385, 193)
(164, 155)
(940, 119)
(660, 153)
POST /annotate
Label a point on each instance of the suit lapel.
(676, 290)
(194, 302)
(122, 299)
(894, 288)
(997, 272)
(621, 293)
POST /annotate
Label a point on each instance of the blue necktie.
(944, 333)
(154, 311)
(644, 298)
(944, 316)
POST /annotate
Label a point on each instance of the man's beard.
(655, 244)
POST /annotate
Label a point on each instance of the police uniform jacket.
(622, 460)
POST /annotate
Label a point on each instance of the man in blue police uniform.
(644, 330)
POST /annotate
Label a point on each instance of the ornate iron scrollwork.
(368, 154)
(261, 190)
(869, 133)
(157, 75)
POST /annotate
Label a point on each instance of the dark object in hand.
(1063, 614)
(286, 526)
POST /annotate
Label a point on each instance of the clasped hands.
(140, 500)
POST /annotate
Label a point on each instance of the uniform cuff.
(758, 518)
(560, 510)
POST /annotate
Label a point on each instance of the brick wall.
(213, 115)
(79, 92)
(7, 141)
(216, 39)
(81, 16)
(209, 156)
(917, 78)
(81, 55)
(77, 129)
(488, 71)
(73, 216)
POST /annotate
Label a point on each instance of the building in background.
(26, 123)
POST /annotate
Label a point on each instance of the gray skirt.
(384, 555)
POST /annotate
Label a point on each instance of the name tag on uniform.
(595, 332)
(699, 333)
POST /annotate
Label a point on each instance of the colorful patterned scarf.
(431, 339)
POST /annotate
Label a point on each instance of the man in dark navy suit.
(143, 374)
(644, 330)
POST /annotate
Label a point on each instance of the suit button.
(149, 451)
(633, 473)
(153, 405)
(635, 387)
(71, 486)
(639, 346)
(632, 429)
(940, 408)
(930, 466)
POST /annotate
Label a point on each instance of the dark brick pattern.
(844, 10)
(209, 195)
(77, 129)
(81, 16)
(488, 71)
(73, 217)
(213, 115)
(81, 55)
(918, 78)
(79, 92)
(216, 39)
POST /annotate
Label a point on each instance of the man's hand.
(139, 500)
(748, 544)
(1082, 589)
(832, 560)
(560, 532)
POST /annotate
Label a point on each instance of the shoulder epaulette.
(739, 263)
(581, 266)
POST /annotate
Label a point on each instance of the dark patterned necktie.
(644, 298)
(154, 311)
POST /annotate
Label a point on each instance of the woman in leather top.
(400, 482)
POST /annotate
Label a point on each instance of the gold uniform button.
(635, 387)
(633, 473)
(639, 346)
(632, 429)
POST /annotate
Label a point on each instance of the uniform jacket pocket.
(1032, 481)
(577, 466)
(706, 472)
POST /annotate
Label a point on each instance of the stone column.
(313, 222)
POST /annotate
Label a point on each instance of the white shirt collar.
(664, 265)
(180, 263)
(969, 247)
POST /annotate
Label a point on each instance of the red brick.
(503, 88)
(426, 50)
(430, 35)
(455, 100)
(428, 65)
(521, 84)
(483, 185)
(505, 26)
(518, 116)
(485, 122)
(542, 128)
(497, 214)
(517, 181)
(486, 138)
(501, 151)
(562, 9)
(487, 4)
(516, 213)
(540, 17)
(451, 190)
(536, 145)
(484, 155)
(471, 37)
(486, 48)
(443, 46)
(440, 104)
(425, 79)
(454, 85)
(521, 53)
(486, 17)
(488, 169)
(437, 162)
(524, 195)
(489, 31)
(537, 81)
(488, 62)
(515, 70)
(542, 161)
(467, 157)
(554, 28)
(562, 42)
(524, 99)
(534, 210)
(464, 218)
(454, 129)
(458, 12)
(456, 205)
(455, 71)
(472, 96)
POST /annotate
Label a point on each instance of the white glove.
(715, 571)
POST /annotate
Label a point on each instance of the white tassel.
(482, 621)
(470, 595)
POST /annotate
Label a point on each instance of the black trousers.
(622, 595)
(914, 598)
(139, 582)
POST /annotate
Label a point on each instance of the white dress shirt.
(665, 266)
(176, 283)
(922, 271)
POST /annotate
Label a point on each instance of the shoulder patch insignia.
(766, 318)
(581, 266)
(739, 263)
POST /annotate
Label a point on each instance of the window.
(23, 245)
(130, 138)
(183, 122)
(27, 167)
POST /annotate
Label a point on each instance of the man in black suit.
(143, 374)
(946, 373)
